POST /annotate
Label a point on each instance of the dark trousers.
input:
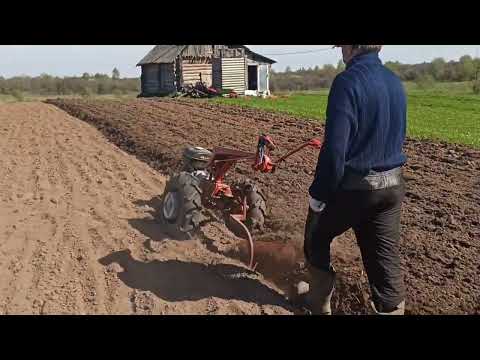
(374, 215)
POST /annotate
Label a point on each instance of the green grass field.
(449, 113)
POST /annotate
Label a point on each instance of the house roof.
(258, 57)
(162, 54)
(166, 54)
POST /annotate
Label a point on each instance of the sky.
(70, 60)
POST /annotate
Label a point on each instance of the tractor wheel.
(181, 209)
(257, 207)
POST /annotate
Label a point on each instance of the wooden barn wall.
(217, 73)
(233, 74)
(167, 78)
(195, 51)
(157, 79)
(150, 79)
(178, 74)
(225, 51)
(191, 70)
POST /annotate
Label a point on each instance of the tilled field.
(78, 233)
(440, 221)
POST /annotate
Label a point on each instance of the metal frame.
(217, 194)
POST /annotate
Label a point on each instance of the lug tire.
(188, 214)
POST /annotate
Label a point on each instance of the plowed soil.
(440, 222)
(77, 234)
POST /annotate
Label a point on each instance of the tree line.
(424, 74)
(465, 69)
(87, 84)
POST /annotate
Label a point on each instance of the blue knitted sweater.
(365, 125)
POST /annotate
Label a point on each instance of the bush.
(85, 91)
(117, 92)
(476, 87)
(17, 94)
(425, 82)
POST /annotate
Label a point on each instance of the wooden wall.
(233, 74)
(191, 70)
(157, 79)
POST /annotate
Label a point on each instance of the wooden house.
(226, 67)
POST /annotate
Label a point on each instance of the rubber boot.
(317, 295)
(400, 310)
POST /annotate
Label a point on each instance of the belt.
(373, 181)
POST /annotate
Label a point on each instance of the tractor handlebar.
(265, 143)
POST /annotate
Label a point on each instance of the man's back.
(381, 116)
(365, 127)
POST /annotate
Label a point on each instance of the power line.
(299, 52)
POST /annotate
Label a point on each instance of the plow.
(201, 185)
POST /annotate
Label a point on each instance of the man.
(358, 181)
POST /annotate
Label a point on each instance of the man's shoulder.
(345, 78)
(352, 74)
(356, 74)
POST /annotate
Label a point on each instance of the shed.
(226, 67)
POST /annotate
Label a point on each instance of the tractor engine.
(195, 161)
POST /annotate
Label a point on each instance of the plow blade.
(269, 257)
(236, 226)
